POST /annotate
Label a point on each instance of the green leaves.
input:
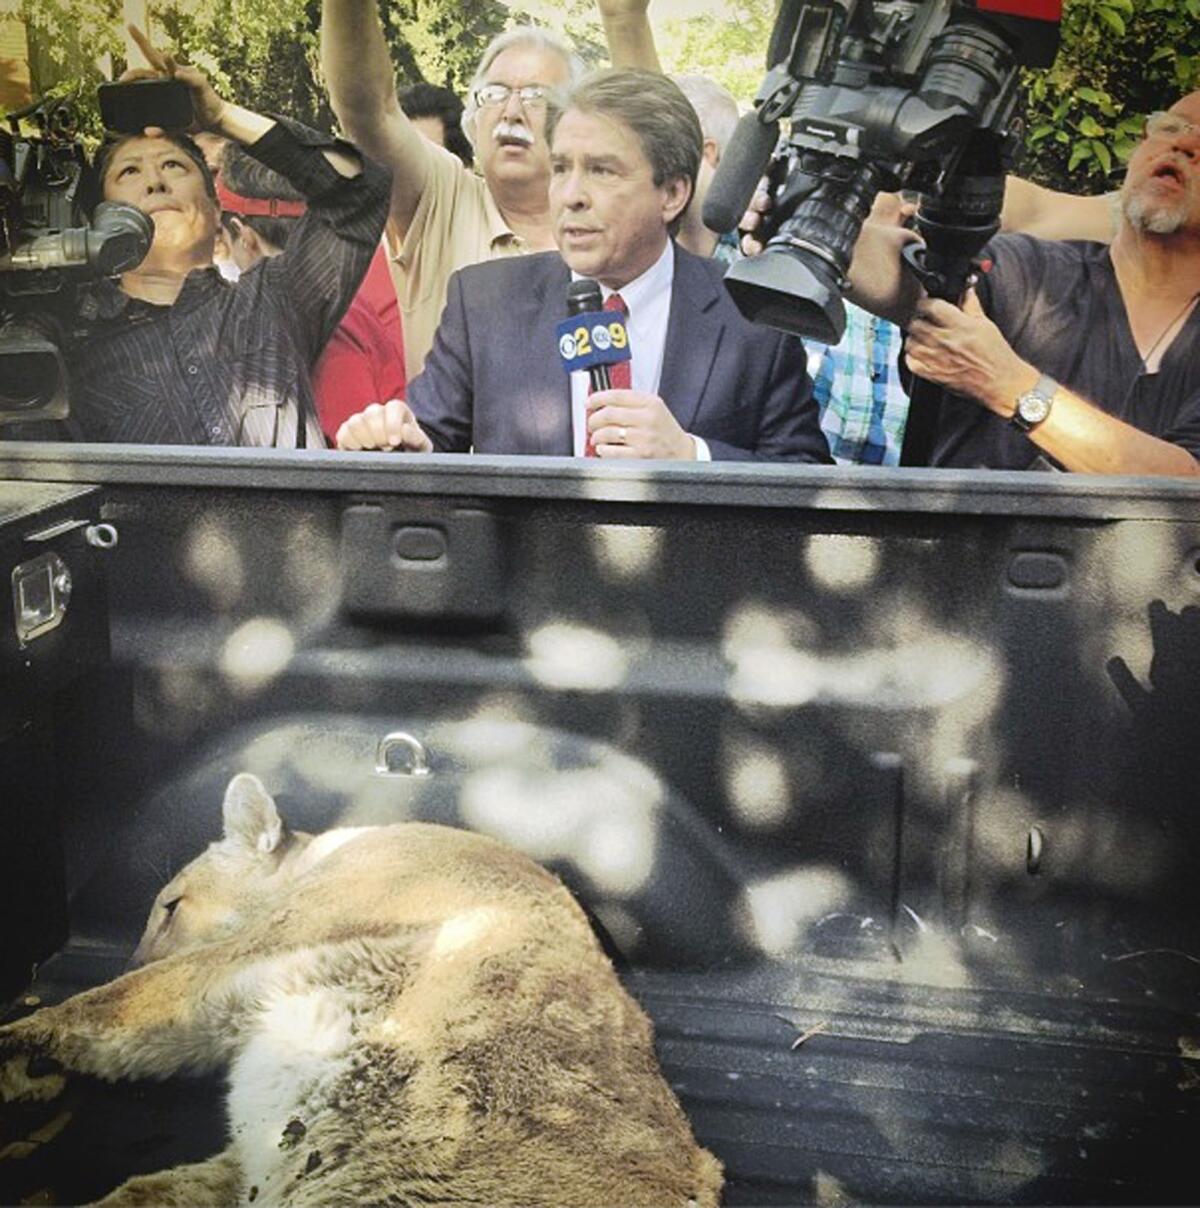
(1118, 61)
(262, 53)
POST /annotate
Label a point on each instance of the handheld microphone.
(591, 337)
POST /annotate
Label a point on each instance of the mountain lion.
(408, 1014)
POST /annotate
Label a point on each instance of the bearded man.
(1071, 354)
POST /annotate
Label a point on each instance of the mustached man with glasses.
(701, 382)
(1070, 355)
(444, 216)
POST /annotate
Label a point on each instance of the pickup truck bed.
(877, 785)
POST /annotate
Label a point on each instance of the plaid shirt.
(857, 387)
(855, 382)
(229, 364)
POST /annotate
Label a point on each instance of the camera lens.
(32, 373)
(796, 284)
(29, 380)
(791, 290)
(119, 238)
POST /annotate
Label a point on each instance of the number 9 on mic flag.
(591, 339)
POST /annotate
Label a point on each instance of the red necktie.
(619, 376)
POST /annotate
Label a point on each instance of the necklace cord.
(1162, 335)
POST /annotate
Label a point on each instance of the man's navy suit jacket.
(494, 381)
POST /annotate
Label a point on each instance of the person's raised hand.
(389, 425)
(628, 423)
(207, 106)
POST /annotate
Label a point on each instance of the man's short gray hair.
(714, 106)
(520, 35)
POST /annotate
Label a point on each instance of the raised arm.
(362, 90)
(212, 113)
(328, 255)
(627, 31)
(1031, 209)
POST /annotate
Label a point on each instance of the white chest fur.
(281, 1079)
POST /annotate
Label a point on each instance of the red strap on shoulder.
(258, 207)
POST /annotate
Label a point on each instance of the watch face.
(1033, 408)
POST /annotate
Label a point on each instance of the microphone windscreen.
(741, 167)
(583, 296)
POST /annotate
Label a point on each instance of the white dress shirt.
(648, 300)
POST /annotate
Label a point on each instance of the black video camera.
(46, 246)
(880, 95)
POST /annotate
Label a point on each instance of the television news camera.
(879, 95)
(46, 248)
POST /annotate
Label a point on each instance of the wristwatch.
(1034, 405)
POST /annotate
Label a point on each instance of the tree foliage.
(264, 53)
(729, 44)
(440, 40)
(578, 21)
(1119, 60)
(68, 43)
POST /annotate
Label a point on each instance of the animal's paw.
(33, 1110)
(28, 1074)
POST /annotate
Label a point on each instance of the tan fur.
(416, 1015)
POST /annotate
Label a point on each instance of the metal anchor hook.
(415, 757)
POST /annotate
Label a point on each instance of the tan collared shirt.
(457, 223)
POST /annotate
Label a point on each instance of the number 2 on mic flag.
(596, 338)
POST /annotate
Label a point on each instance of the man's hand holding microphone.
(628, 423)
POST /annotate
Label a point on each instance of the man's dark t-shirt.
(1059, 306)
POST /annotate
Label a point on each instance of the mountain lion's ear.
(251, 820)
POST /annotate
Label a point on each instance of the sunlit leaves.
(263, 53)
(1119, 60)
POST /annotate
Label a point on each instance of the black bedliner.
(902, 764)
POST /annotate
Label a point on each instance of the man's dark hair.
(242, 173)
(654, 108)
(93, 194)
(430, 100)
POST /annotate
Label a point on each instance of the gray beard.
(1155, 218)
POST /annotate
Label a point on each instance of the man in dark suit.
(625, 148)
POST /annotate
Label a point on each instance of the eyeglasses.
(1169, 125)
(530, 95)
